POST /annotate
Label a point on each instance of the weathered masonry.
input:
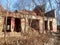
(20, 21)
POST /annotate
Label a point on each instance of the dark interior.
(34, 24)
(46, 25)
(17, 25)
(8, 24)
(50, 25)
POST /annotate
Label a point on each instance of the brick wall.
(1, 23)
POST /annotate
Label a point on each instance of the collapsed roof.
(40, 10)
(50, 13)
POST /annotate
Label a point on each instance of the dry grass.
(31, 38)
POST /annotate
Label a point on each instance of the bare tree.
(5, 27)
(58, 11)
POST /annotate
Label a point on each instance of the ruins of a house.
(16, 21)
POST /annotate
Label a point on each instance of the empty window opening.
(17, 25)
(34, 24)
(50, 25)
(8, 24)
(46, 25)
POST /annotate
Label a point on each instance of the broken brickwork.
(18, 21)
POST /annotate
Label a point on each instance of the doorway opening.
(17, 25)
(8, 24)
(46, 25)
(50, 25)
(34, 23)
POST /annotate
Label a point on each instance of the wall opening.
(17, 25)
(46, 25)
(8, 24)
(50, 25)
(34, 24)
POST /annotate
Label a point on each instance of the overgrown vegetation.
(31, 38)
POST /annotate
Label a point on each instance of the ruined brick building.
(16, 21)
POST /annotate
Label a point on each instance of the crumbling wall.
(1, 23)
(54, 25)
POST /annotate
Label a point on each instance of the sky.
(26, 3)
(12, 4)
(4, 3)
